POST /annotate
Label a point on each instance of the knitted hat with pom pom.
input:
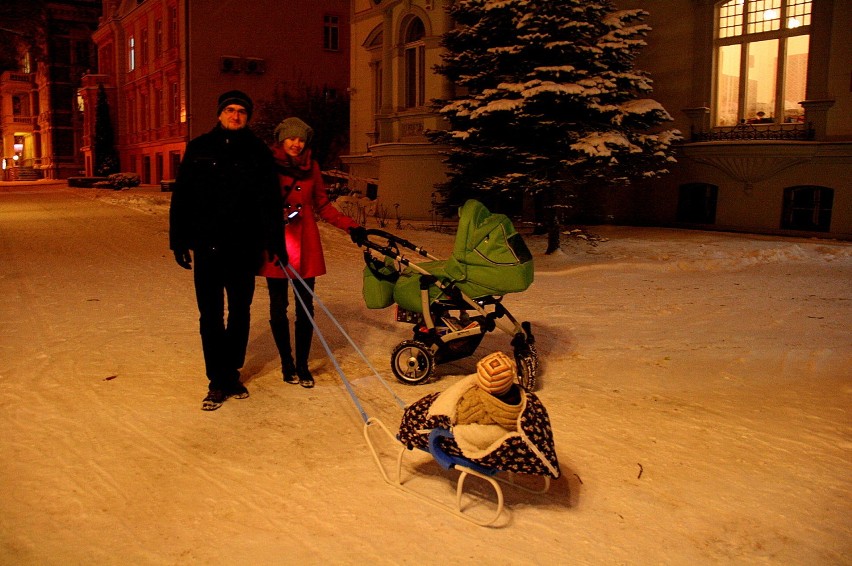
(496, 372)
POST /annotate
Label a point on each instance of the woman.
(304, 196)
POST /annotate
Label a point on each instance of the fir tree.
(551, 104)
(106, 158)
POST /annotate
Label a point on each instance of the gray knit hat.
(294, 128)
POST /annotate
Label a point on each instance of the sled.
(493, 477)
(494, 454)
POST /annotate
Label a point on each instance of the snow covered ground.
(698, 386)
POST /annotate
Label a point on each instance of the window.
(761, 61)
(131, 54)
(27, 65)
(158, 107)
(697, 203)
(158, 38)
(175, 95)
(174, 163)
(173, 26)
(374, 46)
(61, 51)
(331, 33)
(105, 62)
(377, 86)
(808, 208)
(414, 55)
(81, 54)
(143, 48)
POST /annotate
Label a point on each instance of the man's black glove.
(183, 258)
(358, 235)
(280, 253)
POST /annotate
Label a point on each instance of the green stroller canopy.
(489, 258)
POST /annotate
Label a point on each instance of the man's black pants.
(220, 274)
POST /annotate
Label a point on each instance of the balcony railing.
(757, 132)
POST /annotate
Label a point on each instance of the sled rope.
(332, 357)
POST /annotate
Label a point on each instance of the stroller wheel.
(412, 362)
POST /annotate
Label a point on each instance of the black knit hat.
(235, 97)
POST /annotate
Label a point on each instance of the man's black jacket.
(226, 196)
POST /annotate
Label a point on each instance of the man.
(226, 208)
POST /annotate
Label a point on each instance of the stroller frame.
(449, 328)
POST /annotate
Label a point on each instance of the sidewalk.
(49, 184)
(40, 185)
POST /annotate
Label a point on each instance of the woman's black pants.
(280, 324)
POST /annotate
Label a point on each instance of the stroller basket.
(452, 303)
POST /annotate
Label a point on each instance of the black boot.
(304, 336)
(281, 335)
(305, 378)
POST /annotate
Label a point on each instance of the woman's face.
(294, 146)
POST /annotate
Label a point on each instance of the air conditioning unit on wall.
(255, 66)
(230, 64)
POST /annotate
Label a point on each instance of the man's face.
(233, 117)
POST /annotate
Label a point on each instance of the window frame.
(414, 64)
(747, 30)
(819, 209)
(131, 53)
(331, 32)
(158, 38)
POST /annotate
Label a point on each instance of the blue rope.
(327, 348)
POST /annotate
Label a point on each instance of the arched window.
(374, 45)
(761, 60)
(807, 207)
(414, 53)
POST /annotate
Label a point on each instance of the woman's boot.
(281, 335)
(304, 336)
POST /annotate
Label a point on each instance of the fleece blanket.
(527, 450)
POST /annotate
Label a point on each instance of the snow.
(698, 386)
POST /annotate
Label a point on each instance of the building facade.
(395, 45)
(760, 90)
(40, 119)
(163, 64)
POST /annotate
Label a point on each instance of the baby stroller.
(452, 303)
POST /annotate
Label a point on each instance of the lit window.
(331, 33)
(131, 54)
(761, 61)
(414, 53)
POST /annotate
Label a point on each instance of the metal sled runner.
(465, 467)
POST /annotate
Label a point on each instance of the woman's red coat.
(301, 235)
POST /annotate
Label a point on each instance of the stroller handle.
(392, 245)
